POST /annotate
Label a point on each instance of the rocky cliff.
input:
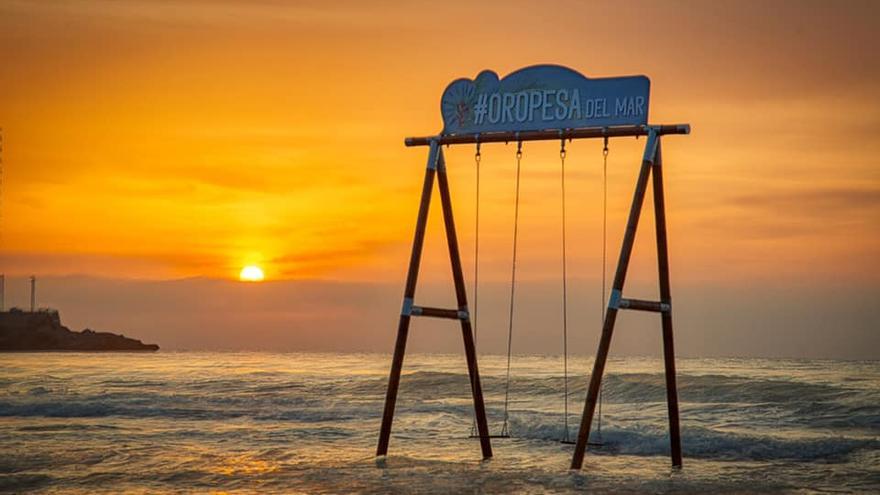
(43, 331)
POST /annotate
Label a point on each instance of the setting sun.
(251, 273)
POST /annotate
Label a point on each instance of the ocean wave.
(629, 387)
(763, 401)
(805, 404)
(698, 442)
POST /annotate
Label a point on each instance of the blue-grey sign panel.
(543, 97)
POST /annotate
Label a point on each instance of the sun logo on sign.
(458, 103)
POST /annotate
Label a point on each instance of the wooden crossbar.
(452, 314)
(551, 134)
(642, 305)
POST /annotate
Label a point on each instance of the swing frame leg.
(436, 167)
(666, 316)
(408, 294)
(467, 332)
(650, 162)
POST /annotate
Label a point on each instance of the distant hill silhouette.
(42, 331)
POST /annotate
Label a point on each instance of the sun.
(251, 273)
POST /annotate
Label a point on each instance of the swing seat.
(572, 442)
(501, 435)
(504, 433)
(591, 444)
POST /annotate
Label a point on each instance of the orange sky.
(151, 139)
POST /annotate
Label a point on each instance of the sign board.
(543, 97)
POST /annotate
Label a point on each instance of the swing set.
(566, 439)
(539, 103)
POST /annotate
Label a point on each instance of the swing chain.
(477, 158)
(604, 256)
(565, 437)
(504, 427)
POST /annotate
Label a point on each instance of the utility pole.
(2, 292)
(33, 293)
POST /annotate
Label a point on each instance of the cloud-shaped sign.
(543, 97)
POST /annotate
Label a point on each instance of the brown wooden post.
(611, 313)
(409, 292)
(666, 316)
(464, 314)
(549, 134)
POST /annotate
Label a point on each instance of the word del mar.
(551, 104)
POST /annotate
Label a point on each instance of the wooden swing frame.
(436, 168)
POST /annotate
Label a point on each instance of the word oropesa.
(551, 104)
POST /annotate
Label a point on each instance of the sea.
(199, 422)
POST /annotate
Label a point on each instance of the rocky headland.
(42, 331)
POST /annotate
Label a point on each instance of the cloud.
(824, 214)
(831, 200)
(328, 259)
